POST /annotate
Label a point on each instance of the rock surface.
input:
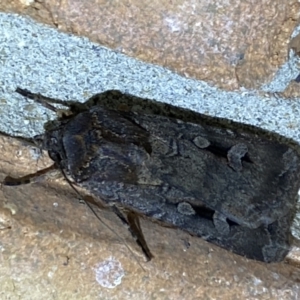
(52, 246)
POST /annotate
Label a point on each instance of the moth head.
(38, 141)
(51, 142)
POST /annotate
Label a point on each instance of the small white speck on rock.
(109, 273)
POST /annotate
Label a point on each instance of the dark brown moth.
(232, 184)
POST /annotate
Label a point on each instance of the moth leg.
(132, 222)
(42, 175)
(221, 223)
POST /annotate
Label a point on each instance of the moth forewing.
(239, 182)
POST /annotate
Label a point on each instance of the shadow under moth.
(234, 185)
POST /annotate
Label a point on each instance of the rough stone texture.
(52, 246)
(229, 43)
(293, 89)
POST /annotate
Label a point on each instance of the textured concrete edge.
(41, 59)
(286, 73)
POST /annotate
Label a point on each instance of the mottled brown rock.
(295, 44)
(292, 91)
(51, 245)
(228, 43)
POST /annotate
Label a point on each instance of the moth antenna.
(37, 98)
(101, 221)
(73, 107)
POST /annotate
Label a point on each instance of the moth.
(232, 184)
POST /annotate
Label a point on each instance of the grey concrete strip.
(286, 73)
(41, 59)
